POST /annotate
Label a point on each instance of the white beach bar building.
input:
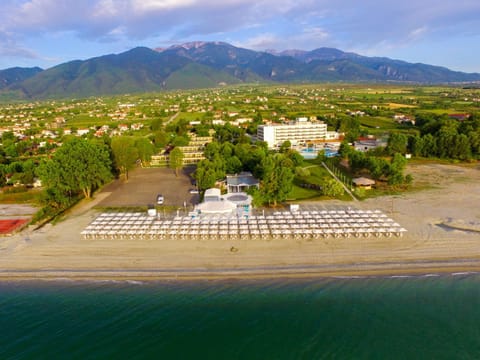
(233, 204)
(299, 132)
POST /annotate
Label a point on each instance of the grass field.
(316, 177)
(31, 196)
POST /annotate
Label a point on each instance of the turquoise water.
(310, 153)
(435, 317)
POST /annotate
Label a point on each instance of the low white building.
(214, 203)
(368, 144)
(81, 132)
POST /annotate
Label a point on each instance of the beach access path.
(347, 190)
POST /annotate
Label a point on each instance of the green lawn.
(300, 193)
(24, 197)
(317, 174)
(382, 122)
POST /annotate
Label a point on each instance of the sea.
(400, 317)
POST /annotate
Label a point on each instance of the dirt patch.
(398, 106)
(144, 184)
(16, 210)
(440, 175)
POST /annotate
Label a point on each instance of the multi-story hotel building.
(297, 133)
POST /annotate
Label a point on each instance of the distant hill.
(210, 64)
(324, 54)
(336, 65)
(137, 70)
(243, 64)
(16, 75)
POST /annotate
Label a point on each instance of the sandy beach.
(442, 220)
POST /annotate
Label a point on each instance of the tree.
(474, 139)
(157, 124)
(205, 175)
(28, 172)
(211, 149)
(219, 167)
(301, 172)
(351, 127)
(377, 167)
(397, 166)
(176, 160)
(277, 181)
(446, 139)
(286, 145)
(79, 165)
(429, 146)
(295, 156)
(160, 139)
(332, 188)
(357, 161)
(125, 153)
(233, 165)
(8, 136)
(415, 145)
(461, 148)
(397, 143)
(345, 149)
(180, 140)
(227, 149)
(145, 149)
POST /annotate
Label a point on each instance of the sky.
(46, 33)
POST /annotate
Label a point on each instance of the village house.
(369, 143)
(123, 127)
(81, 132)
(404, 119)
(136, 126)
(459, 117)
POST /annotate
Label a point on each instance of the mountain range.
(210, 64)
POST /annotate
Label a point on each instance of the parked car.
(193, 191)
(160, 199)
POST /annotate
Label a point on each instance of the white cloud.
(309, 39)
(260, 42)
(138, 17)
(371, 25)
(107, 9)
(146, 6)
(9, 47)
(417, 33)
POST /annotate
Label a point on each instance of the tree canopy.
(176, 160)
(125, 153)
(145, 149)
(277, 180)
(78, 166)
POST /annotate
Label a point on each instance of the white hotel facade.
(298, 133)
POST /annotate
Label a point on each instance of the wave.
(464, 273)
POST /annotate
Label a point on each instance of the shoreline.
(390, 270)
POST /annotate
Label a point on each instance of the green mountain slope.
(210, 64)
(194, 75)
(137, 70)
(9, 77)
